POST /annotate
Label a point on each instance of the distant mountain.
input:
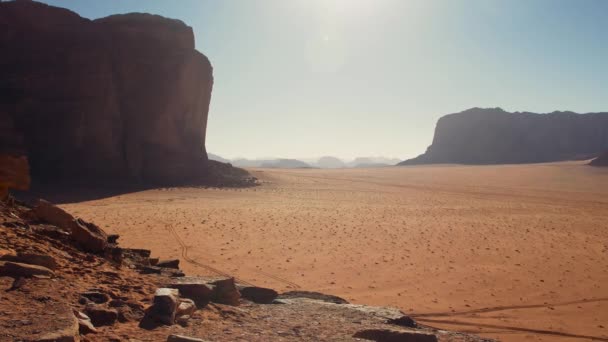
(328, 162)
(281, 163)
(371, 165)
(494, 136)
(373, 162)
(243, 162)
(285, 164)
(217, 158)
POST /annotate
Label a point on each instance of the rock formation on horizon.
(329, 162)
(494, 136)
(122, 98)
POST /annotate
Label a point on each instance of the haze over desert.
(515, 252)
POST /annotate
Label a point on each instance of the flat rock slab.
(313, 295)
(387, 335)
(181, 338)
(260, 295)
(305, 319)
(32, 259)
(16, 269)
(194, 288)
(43, 317)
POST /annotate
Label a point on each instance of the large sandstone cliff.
(123, 98)
(493, 136)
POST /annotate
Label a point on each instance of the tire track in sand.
(184, 252)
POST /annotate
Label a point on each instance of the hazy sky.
(306, 78)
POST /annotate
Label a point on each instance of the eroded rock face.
(119, 98)
(493, 136)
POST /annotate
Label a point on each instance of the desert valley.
(117, 225)
(516, 252)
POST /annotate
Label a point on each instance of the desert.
(515, 252)
(389, 171)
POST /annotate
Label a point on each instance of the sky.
(349, 78)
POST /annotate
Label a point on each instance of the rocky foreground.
(65, 279)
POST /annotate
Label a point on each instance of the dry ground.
(515, 252)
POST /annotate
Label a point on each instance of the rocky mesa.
(122, 98)
(494, 136)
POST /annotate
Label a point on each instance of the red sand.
(512, 252)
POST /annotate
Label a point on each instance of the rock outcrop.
(602, 160)
(493, 136)
(122, 98)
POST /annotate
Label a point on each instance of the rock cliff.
(123, 98)
(602, 160)
(494, 136)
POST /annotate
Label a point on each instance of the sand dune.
(518, 252)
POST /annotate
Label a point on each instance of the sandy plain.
(515, 252)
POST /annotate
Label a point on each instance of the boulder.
(101, 315)
(386, 335)
(226, 292)
(193, 288)
(32, 259)
(54, 215)
(90, 237)
(164, 308)
(181, 338)
(186, 307)
(172, 263)
(85, 326)
(403, 321)
(258, 295)
(169, 272)
(16, 269)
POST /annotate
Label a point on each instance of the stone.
(172, 263)
(186, 307)
(386, 335)
(120, 99)
(32, 259)
(68, 334)
(90, 237)
(85, 326)
(165, 305)
(183, 320)
(54, 215)
(403, 321)
(101, 316)
(181, 338)
(96, 297)
(313, 295)
(193, 288)
(169, 272)
(258, 295)
(133, 256)
(494, 136)
(113, 238)
(16, 269)
(225, 292)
